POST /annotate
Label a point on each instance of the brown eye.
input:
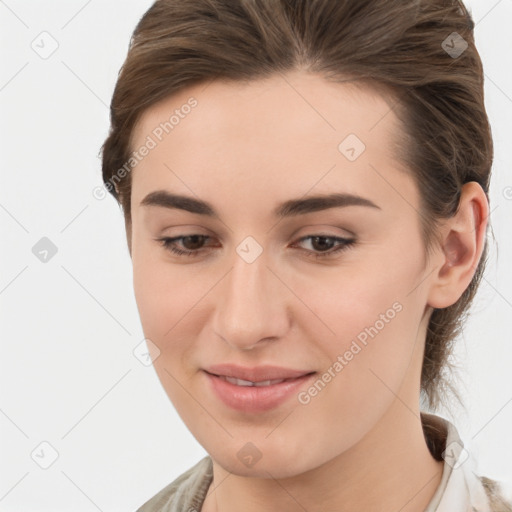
(192, 244)
(322, 245)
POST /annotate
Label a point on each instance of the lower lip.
(256, 398)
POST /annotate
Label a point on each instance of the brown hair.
(405, 49)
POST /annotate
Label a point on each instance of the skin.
(245, 148)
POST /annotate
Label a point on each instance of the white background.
(68, 375)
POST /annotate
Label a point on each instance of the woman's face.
(263, 288)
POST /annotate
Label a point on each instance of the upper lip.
(256, 373)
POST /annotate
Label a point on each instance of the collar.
(460, 490)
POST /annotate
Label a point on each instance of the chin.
(247, 460)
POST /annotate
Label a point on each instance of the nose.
(253, 306)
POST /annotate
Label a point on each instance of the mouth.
(257, 395)
(247, 376)
(261, 383)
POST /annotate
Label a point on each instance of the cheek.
(151, 291)
(163, 291)
(362, 329)
(365, 362)
(369, 325)
(165, 298)
(170, 301)
(349, 302)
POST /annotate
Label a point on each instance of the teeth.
(268, 382)
(241, 382)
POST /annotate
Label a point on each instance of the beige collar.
(460, 490)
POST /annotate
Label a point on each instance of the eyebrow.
(290, 208)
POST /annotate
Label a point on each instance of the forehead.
(297, 101)
(285, 131)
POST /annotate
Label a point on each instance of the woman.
(305, 191)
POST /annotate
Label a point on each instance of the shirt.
(460, 489)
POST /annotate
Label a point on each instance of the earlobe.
(462, 246)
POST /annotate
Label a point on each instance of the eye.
(327, 252)
(194, 240)
(195, 243)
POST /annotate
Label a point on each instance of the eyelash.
(345, 243)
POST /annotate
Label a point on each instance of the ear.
(462, 244)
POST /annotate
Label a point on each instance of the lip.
(256, 373)
(257, 399)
